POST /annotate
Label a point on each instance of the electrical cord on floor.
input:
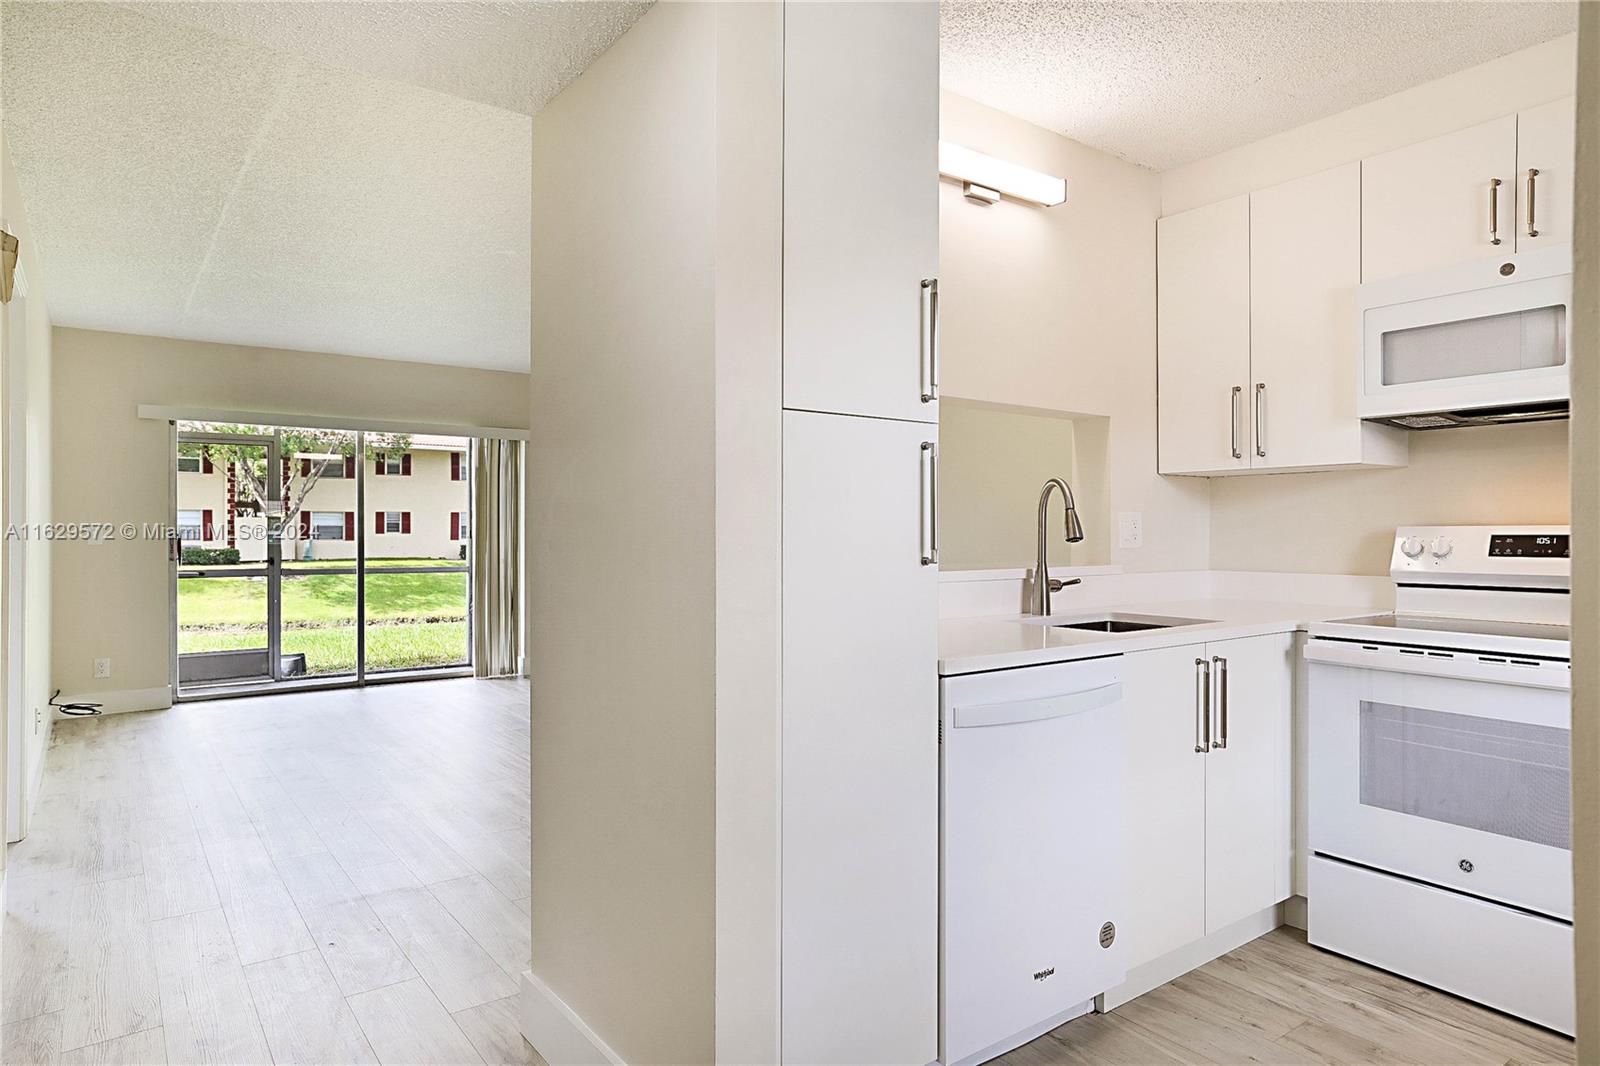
(75, 710)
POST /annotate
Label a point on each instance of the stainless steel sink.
(1126, 623)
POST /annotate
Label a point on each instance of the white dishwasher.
(1031, 851)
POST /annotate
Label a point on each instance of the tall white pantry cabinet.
(860, 573)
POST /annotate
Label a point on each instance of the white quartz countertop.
(999, 642)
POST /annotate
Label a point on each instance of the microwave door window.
(1495, 344)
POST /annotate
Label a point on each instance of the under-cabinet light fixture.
(985, 179)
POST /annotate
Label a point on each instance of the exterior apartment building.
(418, 506)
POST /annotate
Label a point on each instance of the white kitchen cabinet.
(1436, 203)
(1166, 819)
(1203, 338)
(1304, 353)
(1249, 848)
(1544, 200)
(860, 743)
(860, 207)
(1209, 812)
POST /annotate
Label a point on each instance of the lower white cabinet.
(860, 742)
(1209, 760)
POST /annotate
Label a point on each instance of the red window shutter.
(305, 525)
(205, 524)
(349, 466)
(405, 464)
(377, 525)
(349, 525)
(305, 468)
(455, 466)
(455, 525)
(405, 521)
(205, 463)
(377, 465)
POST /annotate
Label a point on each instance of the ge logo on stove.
(1466, 866)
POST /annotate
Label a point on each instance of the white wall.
(35, 431)
(111, 599)
(1054, 308)
(1340, 522)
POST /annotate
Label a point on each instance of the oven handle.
(1461, 665)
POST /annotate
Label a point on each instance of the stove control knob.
(1441, 547)
(1412, 547)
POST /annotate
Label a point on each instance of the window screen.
(1494, 344)
(1506, 778)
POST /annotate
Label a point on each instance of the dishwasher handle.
(1040, 709)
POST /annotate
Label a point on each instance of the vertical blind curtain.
(496, 556)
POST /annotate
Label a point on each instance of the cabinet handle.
(1202, 706)
(1222, 701)
(1261, 422)
(1532, 228)
(930, 503)
(1494, 210)
(930, 339)
(1233, 421)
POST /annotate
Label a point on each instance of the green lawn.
(413, 620)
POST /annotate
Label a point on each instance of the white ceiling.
(1162, 84)
(224, 172)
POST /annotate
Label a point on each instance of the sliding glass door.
(305, 557)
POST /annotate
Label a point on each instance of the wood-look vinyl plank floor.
(198, 884)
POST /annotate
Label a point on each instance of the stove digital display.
(1546, 545)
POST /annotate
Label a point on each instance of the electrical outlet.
(102, 668)
(1130, 529)
(38, 719)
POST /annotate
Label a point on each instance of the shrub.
(210, 556)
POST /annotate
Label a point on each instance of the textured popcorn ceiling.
(308, 176)
(1163, 84)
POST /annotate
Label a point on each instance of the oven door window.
(1512, 779)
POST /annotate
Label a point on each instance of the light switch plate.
(1130, 529)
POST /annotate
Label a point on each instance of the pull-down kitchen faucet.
(1043, 583)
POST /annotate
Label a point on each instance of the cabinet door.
(1249, 851)
(860, 744)
(1429, 205)
(1203, 338)
(1544, 200)
(1305, 264)
(860, 205)
(1166, 815)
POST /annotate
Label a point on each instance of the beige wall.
(35, 506)
(993, 460)
(1054, 309)
(621, 455)
(111, 599)
(1341, 522)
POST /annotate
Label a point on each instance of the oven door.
(1461, 782)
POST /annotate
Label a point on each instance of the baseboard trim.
(120, 701)
(556, 1031)
(1173, 965)
(1294, 912)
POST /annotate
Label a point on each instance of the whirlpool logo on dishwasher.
(1040, 975)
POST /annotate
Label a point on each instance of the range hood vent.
(1548, 411)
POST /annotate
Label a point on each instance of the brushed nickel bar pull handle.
(1261, 423)
(1222, 701)
(1494, 210)
(930, 503)
(1202, 706)
(1532, 227)
(1233, 421)
(930, 339)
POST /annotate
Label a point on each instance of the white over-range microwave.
(1474, 344)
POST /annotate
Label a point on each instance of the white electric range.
(1440, 775)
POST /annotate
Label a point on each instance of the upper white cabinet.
(1544, 174)
(860, 208)
(1445, 201)
(1203, 338)
(860, 773)
(1305, 265)
(1258, 363)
